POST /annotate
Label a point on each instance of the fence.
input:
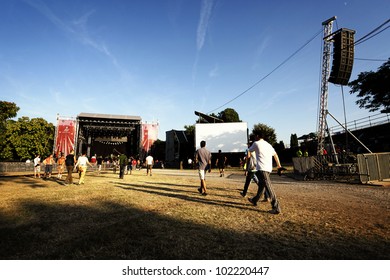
(21, 168)
(374, 167)
(363, 167)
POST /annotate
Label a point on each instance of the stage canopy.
(104, 134)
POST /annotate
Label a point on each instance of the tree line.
(24, 138)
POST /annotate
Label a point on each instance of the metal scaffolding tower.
(323, 100)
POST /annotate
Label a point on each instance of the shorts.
(202, 174)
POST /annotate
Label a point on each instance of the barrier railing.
(362, 167)
(369, 121)
(25, 168)
(374, 167)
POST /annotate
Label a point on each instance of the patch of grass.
(164, 217)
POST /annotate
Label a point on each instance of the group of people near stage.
(70, 164)
(259, 160)
(259, 167)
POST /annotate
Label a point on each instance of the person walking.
(251, 173)
(82, 163)
(220, 163)
(133, 164)
(37, 167)
(99, 161)
(250, 169)
(264, 154)
(149, 164)
(122, 165)
(60, 165)
(48, 162)
(203, 160)
(70, 161)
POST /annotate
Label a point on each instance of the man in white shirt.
(37, 167)
(149, 165)
(264, 154)
(82, 163)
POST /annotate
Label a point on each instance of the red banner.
(65, 136)
(149, 135)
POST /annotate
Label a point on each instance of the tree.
(190, 134)
(158, 150)
(229, 115)
(267, 131)
(373, 89)
(8, 110)
(293, 141)
(25, 138)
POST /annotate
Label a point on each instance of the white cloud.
(78, 29)
(205, 15)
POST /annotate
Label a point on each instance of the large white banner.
(227, 137)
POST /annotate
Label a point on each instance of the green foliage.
(190, 130)
(373, 89)
(293, 141)
(229, 115)
(267, 132)
(25, 138)
(8, 110)
(158, 150)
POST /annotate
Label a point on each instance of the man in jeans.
(264, 154)
(69, 163)
(122, 165)
(203, 159)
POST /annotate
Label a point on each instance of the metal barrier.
(374, 167)
(20, 168)
(363, 167)
(326, 167)
(10, 167)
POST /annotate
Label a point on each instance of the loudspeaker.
(343, 55)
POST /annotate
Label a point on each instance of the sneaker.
(204, 194)
(242, 194)
(274, 211)
(251, 201)
(200, 190)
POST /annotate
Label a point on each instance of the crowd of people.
(258, 166)
(69, 164)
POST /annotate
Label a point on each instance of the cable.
(266, 76)
(363, 39)
(371, 59)
(360, 41)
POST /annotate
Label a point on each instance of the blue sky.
(164, 59)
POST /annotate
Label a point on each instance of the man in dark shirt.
(122, 165)
(69, 163)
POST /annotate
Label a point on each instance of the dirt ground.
(319, 219)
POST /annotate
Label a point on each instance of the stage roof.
(98, 125)
(109, 117)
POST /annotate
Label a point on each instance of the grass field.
(164, 217)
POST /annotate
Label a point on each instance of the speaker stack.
(343, 55)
